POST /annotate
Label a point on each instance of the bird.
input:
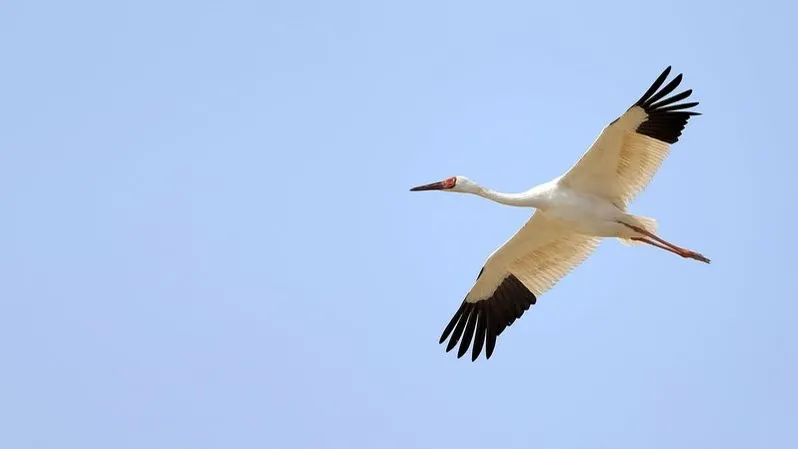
(572, 214)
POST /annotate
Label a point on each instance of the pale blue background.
(207, 239)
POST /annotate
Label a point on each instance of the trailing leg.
(664, 244)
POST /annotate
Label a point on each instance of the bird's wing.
(630, 150)
(529, 263)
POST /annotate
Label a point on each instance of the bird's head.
(454, 184)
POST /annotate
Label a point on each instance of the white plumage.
(573, 212)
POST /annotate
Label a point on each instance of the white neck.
(530, 198)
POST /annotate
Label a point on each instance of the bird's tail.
(649, 224)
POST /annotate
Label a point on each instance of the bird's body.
(579, 211)
(573, 213)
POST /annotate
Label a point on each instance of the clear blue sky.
(207, 239)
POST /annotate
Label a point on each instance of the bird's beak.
(434, 186)
(446, 184)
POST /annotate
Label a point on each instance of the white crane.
(573, 212)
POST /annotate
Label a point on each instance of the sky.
(207, 239)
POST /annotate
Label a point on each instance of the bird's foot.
(694, 255)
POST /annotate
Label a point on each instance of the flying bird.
(573, 212)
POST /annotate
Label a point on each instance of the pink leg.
(664, 244)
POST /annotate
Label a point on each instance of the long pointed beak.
(432, 186)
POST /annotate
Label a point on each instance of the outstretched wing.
(630, 150)
(529, 263)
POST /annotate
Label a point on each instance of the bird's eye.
(449, 183)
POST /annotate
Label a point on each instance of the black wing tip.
(481, 322)
(666, 120)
